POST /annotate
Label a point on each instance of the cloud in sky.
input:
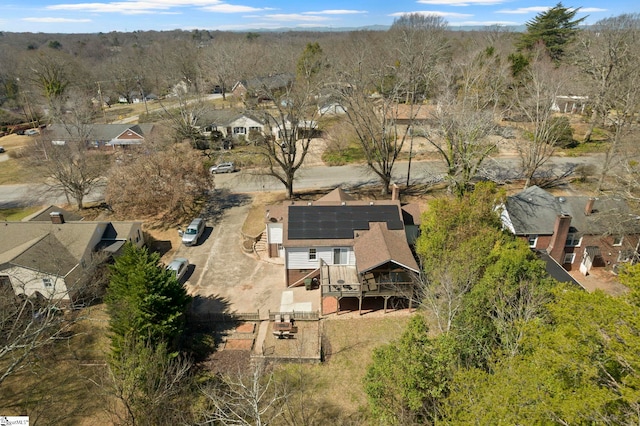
(462, 2)
(524, 10)
(295, 17)
(231, 8)
(335, 12)
(55, 20)
(591, 9)
(436, 13)
(155, 6)
(484, 23)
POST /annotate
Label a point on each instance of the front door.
(340, 256)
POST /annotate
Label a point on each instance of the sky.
(92, 16)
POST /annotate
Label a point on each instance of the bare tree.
(290, 116)
(420, 44)
(31, 321)
(462, 135)
(221, 62)
(72, 167)
(604, 52)
(252, 398)
(608, 56)
(534, 98)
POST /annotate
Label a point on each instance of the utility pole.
(104, 114)
(144, 98)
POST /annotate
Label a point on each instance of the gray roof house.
(99, 134)
(52, 257)
(576, 231)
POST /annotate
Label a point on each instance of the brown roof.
(411, 214)
(337, 195)
(54, 248)
(379, 246)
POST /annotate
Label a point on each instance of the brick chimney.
(56, 217)
(588, 209)
(559, 237)
(395, 192)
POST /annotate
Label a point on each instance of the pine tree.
(144, 300)
(554, 28)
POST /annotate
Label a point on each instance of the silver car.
(179, 267)
(193, 232)
(228, 167)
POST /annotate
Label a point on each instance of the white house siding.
(298, 257)
(274, 233)
(27, 281)
(245, 123)
(506, 221)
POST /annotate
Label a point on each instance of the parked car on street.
(179, 267)
(228, 167)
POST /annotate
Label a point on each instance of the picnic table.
(284, 329)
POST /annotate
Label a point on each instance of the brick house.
(578, 232)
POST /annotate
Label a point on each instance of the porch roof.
(380, 245)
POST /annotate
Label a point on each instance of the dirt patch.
(239, 344)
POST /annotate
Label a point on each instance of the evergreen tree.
(144, 300)
(554, 28)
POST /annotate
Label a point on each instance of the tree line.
(464, 92)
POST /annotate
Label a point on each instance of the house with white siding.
(53, 258)
(348, 248)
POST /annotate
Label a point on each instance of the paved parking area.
(225, 279)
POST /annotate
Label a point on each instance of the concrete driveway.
(225, 279)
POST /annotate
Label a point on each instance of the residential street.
(307, 178)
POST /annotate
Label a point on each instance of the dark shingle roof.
(338, 222)
(534, 211)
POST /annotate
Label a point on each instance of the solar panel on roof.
(338, 222)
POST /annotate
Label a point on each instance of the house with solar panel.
(352, 250)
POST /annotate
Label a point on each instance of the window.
(47, 282)
(533, 240)
(312, 254)
(255, 129)
(569, 257)
(625, 256)
(573, 240)
(617, 240)
(239, 130)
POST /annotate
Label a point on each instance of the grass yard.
(349, 344)
(17, 214)
(60, 384)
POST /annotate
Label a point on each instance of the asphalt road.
(422, 172)
(306, 178)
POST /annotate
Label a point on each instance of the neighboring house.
(232, 124)
(52, 258)
(332, 108)
(304, 129)
(577, 232)
(354, 249)
(261, 87)
(570, 104)
(99, 135)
